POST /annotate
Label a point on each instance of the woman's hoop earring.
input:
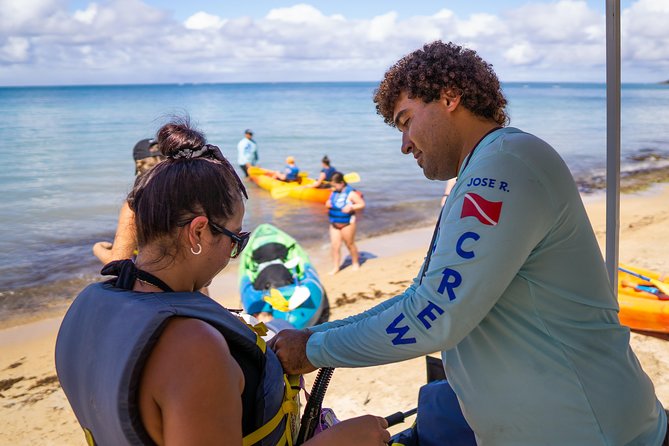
(199, 250)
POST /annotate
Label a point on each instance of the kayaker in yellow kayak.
(326, 174)
(290, 171)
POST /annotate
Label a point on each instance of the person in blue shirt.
(290, 171)
(247, 152)
(513, 290)
(325, 175)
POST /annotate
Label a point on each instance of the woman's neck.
(166, 268)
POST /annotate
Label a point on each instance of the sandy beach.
(34, 410)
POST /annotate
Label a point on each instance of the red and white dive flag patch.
(486, 211)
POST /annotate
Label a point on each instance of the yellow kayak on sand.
(643, 304)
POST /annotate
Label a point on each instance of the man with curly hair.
(513, 289)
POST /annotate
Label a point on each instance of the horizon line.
(159, 84)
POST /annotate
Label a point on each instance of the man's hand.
(290, 347)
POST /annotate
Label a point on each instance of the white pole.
(612, 139)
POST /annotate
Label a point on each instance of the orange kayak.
(642, 307)
(299, 190)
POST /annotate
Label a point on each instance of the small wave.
(36, 302)
(639, 171)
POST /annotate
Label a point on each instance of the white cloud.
(480, 25)
(16, 14)
(15, 50)
(565, 21)
(297, 14)
(202, 20)
(646, 25)
(381, 27)
(521, 54)
(118, 41)
(87, 15)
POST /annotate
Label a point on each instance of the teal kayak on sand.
(277, 277)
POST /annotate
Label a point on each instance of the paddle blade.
(300, 296)
(663, 287)
(352, 177)
(280, 192)
(276, 300)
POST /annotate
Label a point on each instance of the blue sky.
(61, 42)
(351, 9)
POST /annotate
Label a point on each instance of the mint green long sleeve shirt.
(517, 299)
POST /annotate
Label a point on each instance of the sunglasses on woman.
(239, 241)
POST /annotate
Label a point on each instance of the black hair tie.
(127, 273)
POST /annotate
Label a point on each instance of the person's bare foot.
(333, 271)
(355, 266)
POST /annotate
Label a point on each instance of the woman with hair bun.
(145, 358)
(326, 173)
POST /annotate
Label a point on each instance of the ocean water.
(66, 160)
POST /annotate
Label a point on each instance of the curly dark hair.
(440, 66)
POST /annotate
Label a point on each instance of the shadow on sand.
(364, 256)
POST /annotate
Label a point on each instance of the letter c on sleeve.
(458, 246)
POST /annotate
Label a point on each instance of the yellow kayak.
(296, 189)
(642, 305)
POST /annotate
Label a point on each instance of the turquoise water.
(66, 159)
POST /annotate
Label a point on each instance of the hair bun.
(177, 139)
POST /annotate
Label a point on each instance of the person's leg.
(335, 248)
(348, 235)
(245, 169)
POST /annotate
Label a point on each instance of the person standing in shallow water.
(247, 152)
(344, 201)
(147, 359)
(513, 289)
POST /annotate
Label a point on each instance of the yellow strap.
(264, 430)
(89, 437)
(289, 406)
(260, 342)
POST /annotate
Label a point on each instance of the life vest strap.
(288, 408)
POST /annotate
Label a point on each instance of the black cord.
(312, 411)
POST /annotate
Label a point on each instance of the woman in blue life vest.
(145, 358)
(290, 171)
(342, 205)
(325, 175)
